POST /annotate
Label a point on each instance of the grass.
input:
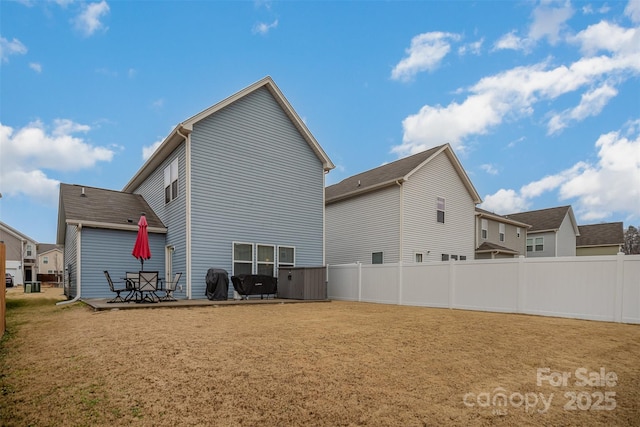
(337, 363)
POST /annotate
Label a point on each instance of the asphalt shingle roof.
(104, 206)
(486, 246)
(370, 179)
(543, 219)
(611, 233)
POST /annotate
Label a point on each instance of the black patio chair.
(132, 278)
(170, 287)
(115, 289)
(149, 284)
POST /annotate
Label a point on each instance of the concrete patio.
(100, 304)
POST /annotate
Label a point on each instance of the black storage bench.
(255, 284)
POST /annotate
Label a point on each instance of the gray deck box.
(306, 283)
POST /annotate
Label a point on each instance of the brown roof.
(106, 208)
(490, 247)
(388, 174)
(543, 219)
(611, 233)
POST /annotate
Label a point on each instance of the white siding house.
(417, 209)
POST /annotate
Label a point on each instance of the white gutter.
(187, 141)
(400, 249)
(324, 215)
(78, 269)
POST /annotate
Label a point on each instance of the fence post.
(359, 282)
(452, 283)
(619, 288)
(400, 283)
(520, 291)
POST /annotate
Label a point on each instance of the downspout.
(324, 217)
(78, 269)
(187, 140)
(401, 251)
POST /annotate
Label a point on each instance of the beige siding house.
(498, 236)
(417, 209)
(21, 254)
(600, 239)
(50, 259)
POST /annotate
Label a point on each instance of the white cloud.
(591, 104)
(13, 47)
(514, 93)
(489, 168)
(148, 150)
(511, 41)
(89, 20)
(605, 36)
(29, 151)
(474, 48)
(425, 54)
(595, 190)
(550, 21)
(504, 201)
(158, 103)
(263, 28)
(35, 67)
(633, 10)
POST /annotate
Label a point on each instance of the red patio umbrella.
(141, 249)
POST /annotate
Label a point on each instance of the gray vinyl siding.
(566, 238)
(111, 250)
(359, 226)
(254, 180)
(549, 241)
(173, 214)
(421, 231)
(71, 259)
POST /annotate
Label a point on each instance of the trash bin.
(35, 286)
(27, 288)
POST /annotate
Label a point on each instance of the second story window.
(440, 209)
(535, 244)
(45, 260)
(518, 232)
(501, 232)
(485, 228)
(29, 251)
(171, 181)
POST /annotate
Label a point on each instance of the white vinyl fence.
(605, 288)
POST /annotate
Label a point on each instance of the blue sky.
(540, 100)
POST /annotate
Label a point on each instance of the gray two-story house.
(553, 231)
(238, 186)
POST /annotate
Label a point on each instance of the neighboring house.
(21, 254)
(417, 209)
(239, 186)
(553, 231)
(50, 260)
(498, 236)
(600, 239)
(98, 228)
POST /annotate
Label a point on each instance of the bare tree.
(631, 244)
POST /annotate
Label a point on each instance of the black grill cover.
(255, 284)
(217, 284)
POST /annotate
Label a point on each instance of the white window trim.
(443, 210)
(171, 174)
(502, 232)
(233, 257)
(272, 262)
(484, 229)
(415, 257)
(377, 252)
(534, 244)
(286, 264)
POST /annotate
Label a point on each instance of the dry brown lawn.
(333, 364)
